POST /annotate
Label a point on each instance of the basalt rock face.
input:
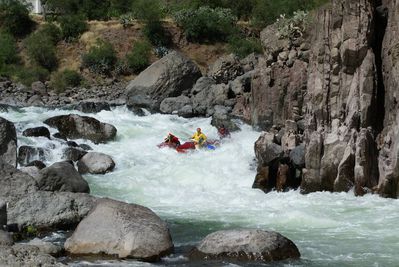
(341, 92)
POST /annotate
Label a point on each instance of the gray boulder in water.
(246, 245)
(62, 176)
(8, 142)
(126, 230)
(171, 76)
(27, 154)
(92, 107)
(37, 132)
(95, 163)
(74, 126)
(25, 255)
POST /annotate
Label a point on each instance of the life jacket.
(199, 138)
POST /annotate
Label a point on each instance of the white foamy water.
(204, 191)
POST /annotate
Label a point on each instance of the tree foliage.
(14, 17)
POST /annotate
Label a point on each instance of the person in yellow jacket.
(199, 138)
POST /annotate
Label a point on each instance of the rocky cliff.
(334, 91)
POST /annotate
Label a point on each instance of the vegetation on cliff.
(36, 50)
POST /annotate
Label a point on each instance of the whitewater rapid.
(204, 191)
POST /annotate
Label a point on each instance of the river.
(204, 191)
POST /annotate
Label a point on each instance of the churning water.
(204, 191)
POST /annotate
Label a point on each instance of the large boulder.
(8, 142)
(36, 132)
(14, 184)
(62, 176)
(225, 69)
(25, 255)
(74, 126)
(171, 76)
(46, 247)
(95, 163)
(266, 151)
(73, 153)
(50, 210)
(126, 230)
(246, 245)
(174, 104)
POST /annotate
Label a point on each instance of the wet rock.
(36, 163)
(72, 144)
(222, 118)
(36, 132)
(209, 97)
(130, 231)
(225, 69)
(74, 126)
(92, 107)
(283, 177)
(50, 210)
(262, 178)
(246, 245)
(46, 247)
(72, 153)
(8, 142)
(95, 163)
(24, 255)
(171, 76)
(62, 176)
(27, 154)
(60, 136)
(266, 151)
(85, 147)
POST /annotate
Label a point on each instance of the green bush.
(148, 11)
(292, 27)
(28, 75)
(72, 26)
(119, 7)
(139, 57)
(41, 50)
(8, 49)
(242, 46)
(61, 80)
(206, 24)
(101, 58)
(156, 34)
(14, 17)
(52, 31)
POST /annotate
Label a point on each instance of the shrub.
(242, 46)
(139, 57)
(14, 17)
(206, 24)
(28, 75)
(72, 26)
(52, 31)
(61, 80)
(156, 34)
(148, 11)
(292, 27)
(120, 7)
(101, 58)
(41, 50)
(8, 49)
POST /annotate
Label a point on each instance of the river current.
(204, 191)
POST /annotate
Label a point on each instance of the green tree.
(72, 26)
(139, 57)
(14, 17)
(8, 49)
(101, 58)
(148, 11)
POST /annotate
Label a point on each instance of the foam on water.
(204, 191)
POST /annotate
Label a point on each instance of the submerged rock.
(92, 107)
(27, 154)
(246, 245)
(126, 230)
(25, 255)
(74, 126)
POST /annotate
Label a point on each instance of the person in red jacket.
(223, 132)
(172, 140)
